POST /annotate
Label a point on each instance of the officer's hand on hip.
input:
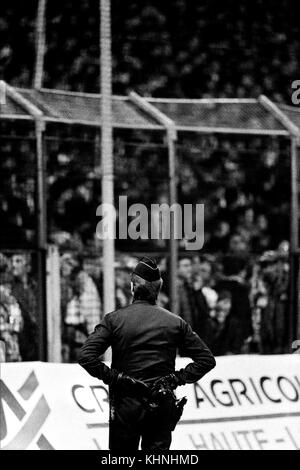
(170, 382)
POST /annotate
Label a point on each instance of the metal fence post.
(173, 199)
(294, 329)
(41, 238)
(40, 41)
(294, 314)
(107, 152)
(53, 297)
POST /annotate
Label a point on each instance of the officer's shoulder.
(118, 311)
(111, 316)
(170, 315)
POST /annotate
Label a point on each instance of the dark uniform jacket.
(144, 340)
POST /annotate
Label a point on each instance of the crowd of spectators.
(235, 303)
(244, 185)
(179, 48)
(17, 188)
(243, 222)
(18, 307)
(194, 49)
(173, 48)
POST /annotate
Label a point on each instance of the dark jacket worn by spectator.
(193, 308)
(234, 283)
(241, 308)
(227, 338)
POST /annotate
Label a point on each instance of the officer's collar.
(142, 302)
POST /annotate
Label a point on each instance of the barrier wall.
(246, 402)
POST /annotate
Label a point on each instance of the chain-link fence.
(246, 225)
(18, 185)
(243, 180)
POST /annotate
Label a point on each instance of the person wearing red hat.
(144, 339)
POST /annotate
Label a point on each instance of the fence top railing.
(208, 115)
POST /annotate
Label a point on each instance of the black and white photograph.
(150, 228)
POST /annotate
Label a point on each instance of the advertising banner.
(246, 402)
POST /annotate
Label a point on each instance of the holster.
(179, 405)
(166, 398)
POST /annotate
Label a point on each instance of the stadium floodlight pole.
(170, 127)
(107, 152)
(40, 43)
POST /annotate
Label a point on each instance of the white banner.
(246, 402)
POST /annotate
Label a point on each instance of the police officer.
(144, 339)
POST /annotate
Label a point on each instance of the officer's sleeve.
(96, 345)
(203, 360)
